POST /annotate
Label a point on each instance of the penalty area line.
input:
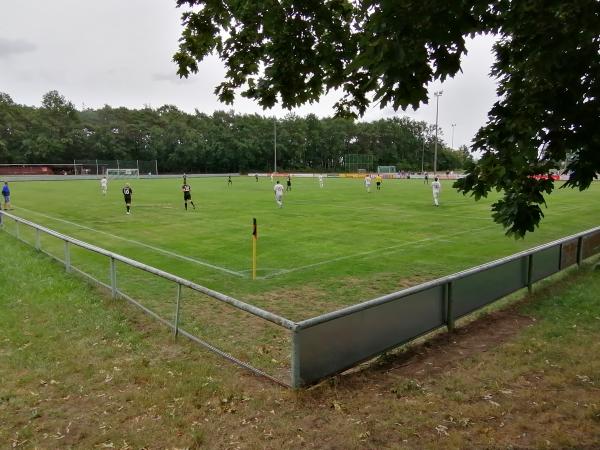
(141, 244)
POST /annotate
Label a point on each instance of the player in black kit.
(187, 195)
(127, 191)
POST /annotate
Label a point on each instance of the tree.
(383, 51)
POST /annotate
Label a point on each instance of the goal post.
(113, 173)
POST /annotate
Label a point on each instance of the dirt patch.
(442, 352)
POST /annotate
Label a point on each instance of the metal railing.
(333, 342)
(180, 282)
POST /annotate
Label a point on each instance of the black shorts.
(378, 183)
(187, 196)
(128, 199)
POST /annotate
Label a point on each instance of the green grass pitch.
(326, 248)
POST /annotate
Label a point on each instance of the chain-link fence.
(100, 166)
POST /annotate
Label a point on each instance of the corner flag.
(254, 239)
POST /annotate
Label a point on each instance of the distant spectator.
(6, 195)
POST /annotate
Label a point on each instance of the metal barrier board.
(481, 288)
(545, 263)
(591, 245)
(568, 253)
(333, 346)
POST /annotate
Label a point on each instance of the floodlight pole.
(423, 155)
(437, 94)
(453, 125)
(275, 145)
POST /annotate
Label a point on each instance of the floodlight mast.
(275, 145)
(423, 155)
(453, 126)
(437, 94)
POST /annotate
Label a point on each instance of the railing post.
(449, 302)
(579, 250)
(113, 277)
(67, 257)
(38, 241)
(296, 382)
(176, 320)
(530, 273)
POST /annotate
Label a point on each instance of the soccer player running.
(229, 182)
(289, 183)
(127, 191)
(436, 187)
(278, 188)
(187, 195)
(320, 180)
(104, 185)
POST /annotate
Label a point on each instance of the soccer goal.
(386, 169)
(122, 173)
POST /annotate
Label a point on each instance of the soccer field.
(326, 248)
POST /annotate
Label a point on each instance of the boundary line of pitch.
(141, 244)
(392, 247)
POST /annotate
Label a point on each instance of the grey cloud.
(10, 47)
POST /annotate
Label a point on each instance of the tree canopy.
(221, 142)
(387, 51)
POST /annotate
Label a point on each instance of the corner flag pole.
(254, 239)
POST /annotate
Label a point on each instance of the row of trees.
(57, 132)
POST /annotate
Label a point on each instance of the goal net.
(386, 169)
(122, 173)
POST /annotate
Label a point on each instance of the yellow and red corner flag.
(254, 239)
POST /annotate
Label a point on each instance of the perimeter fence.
(298, 354)
(100, 166)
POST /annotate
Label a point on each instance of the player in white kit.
(278, 194)
(321, 180)
(436, 187)
(368, 183)
(104, 185)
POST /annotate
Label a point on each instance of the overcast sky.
(119, 52)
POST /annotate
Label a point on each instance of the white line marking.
(371, 252)
(141, 244)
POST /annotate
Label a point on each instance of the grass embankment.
(78, 370)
